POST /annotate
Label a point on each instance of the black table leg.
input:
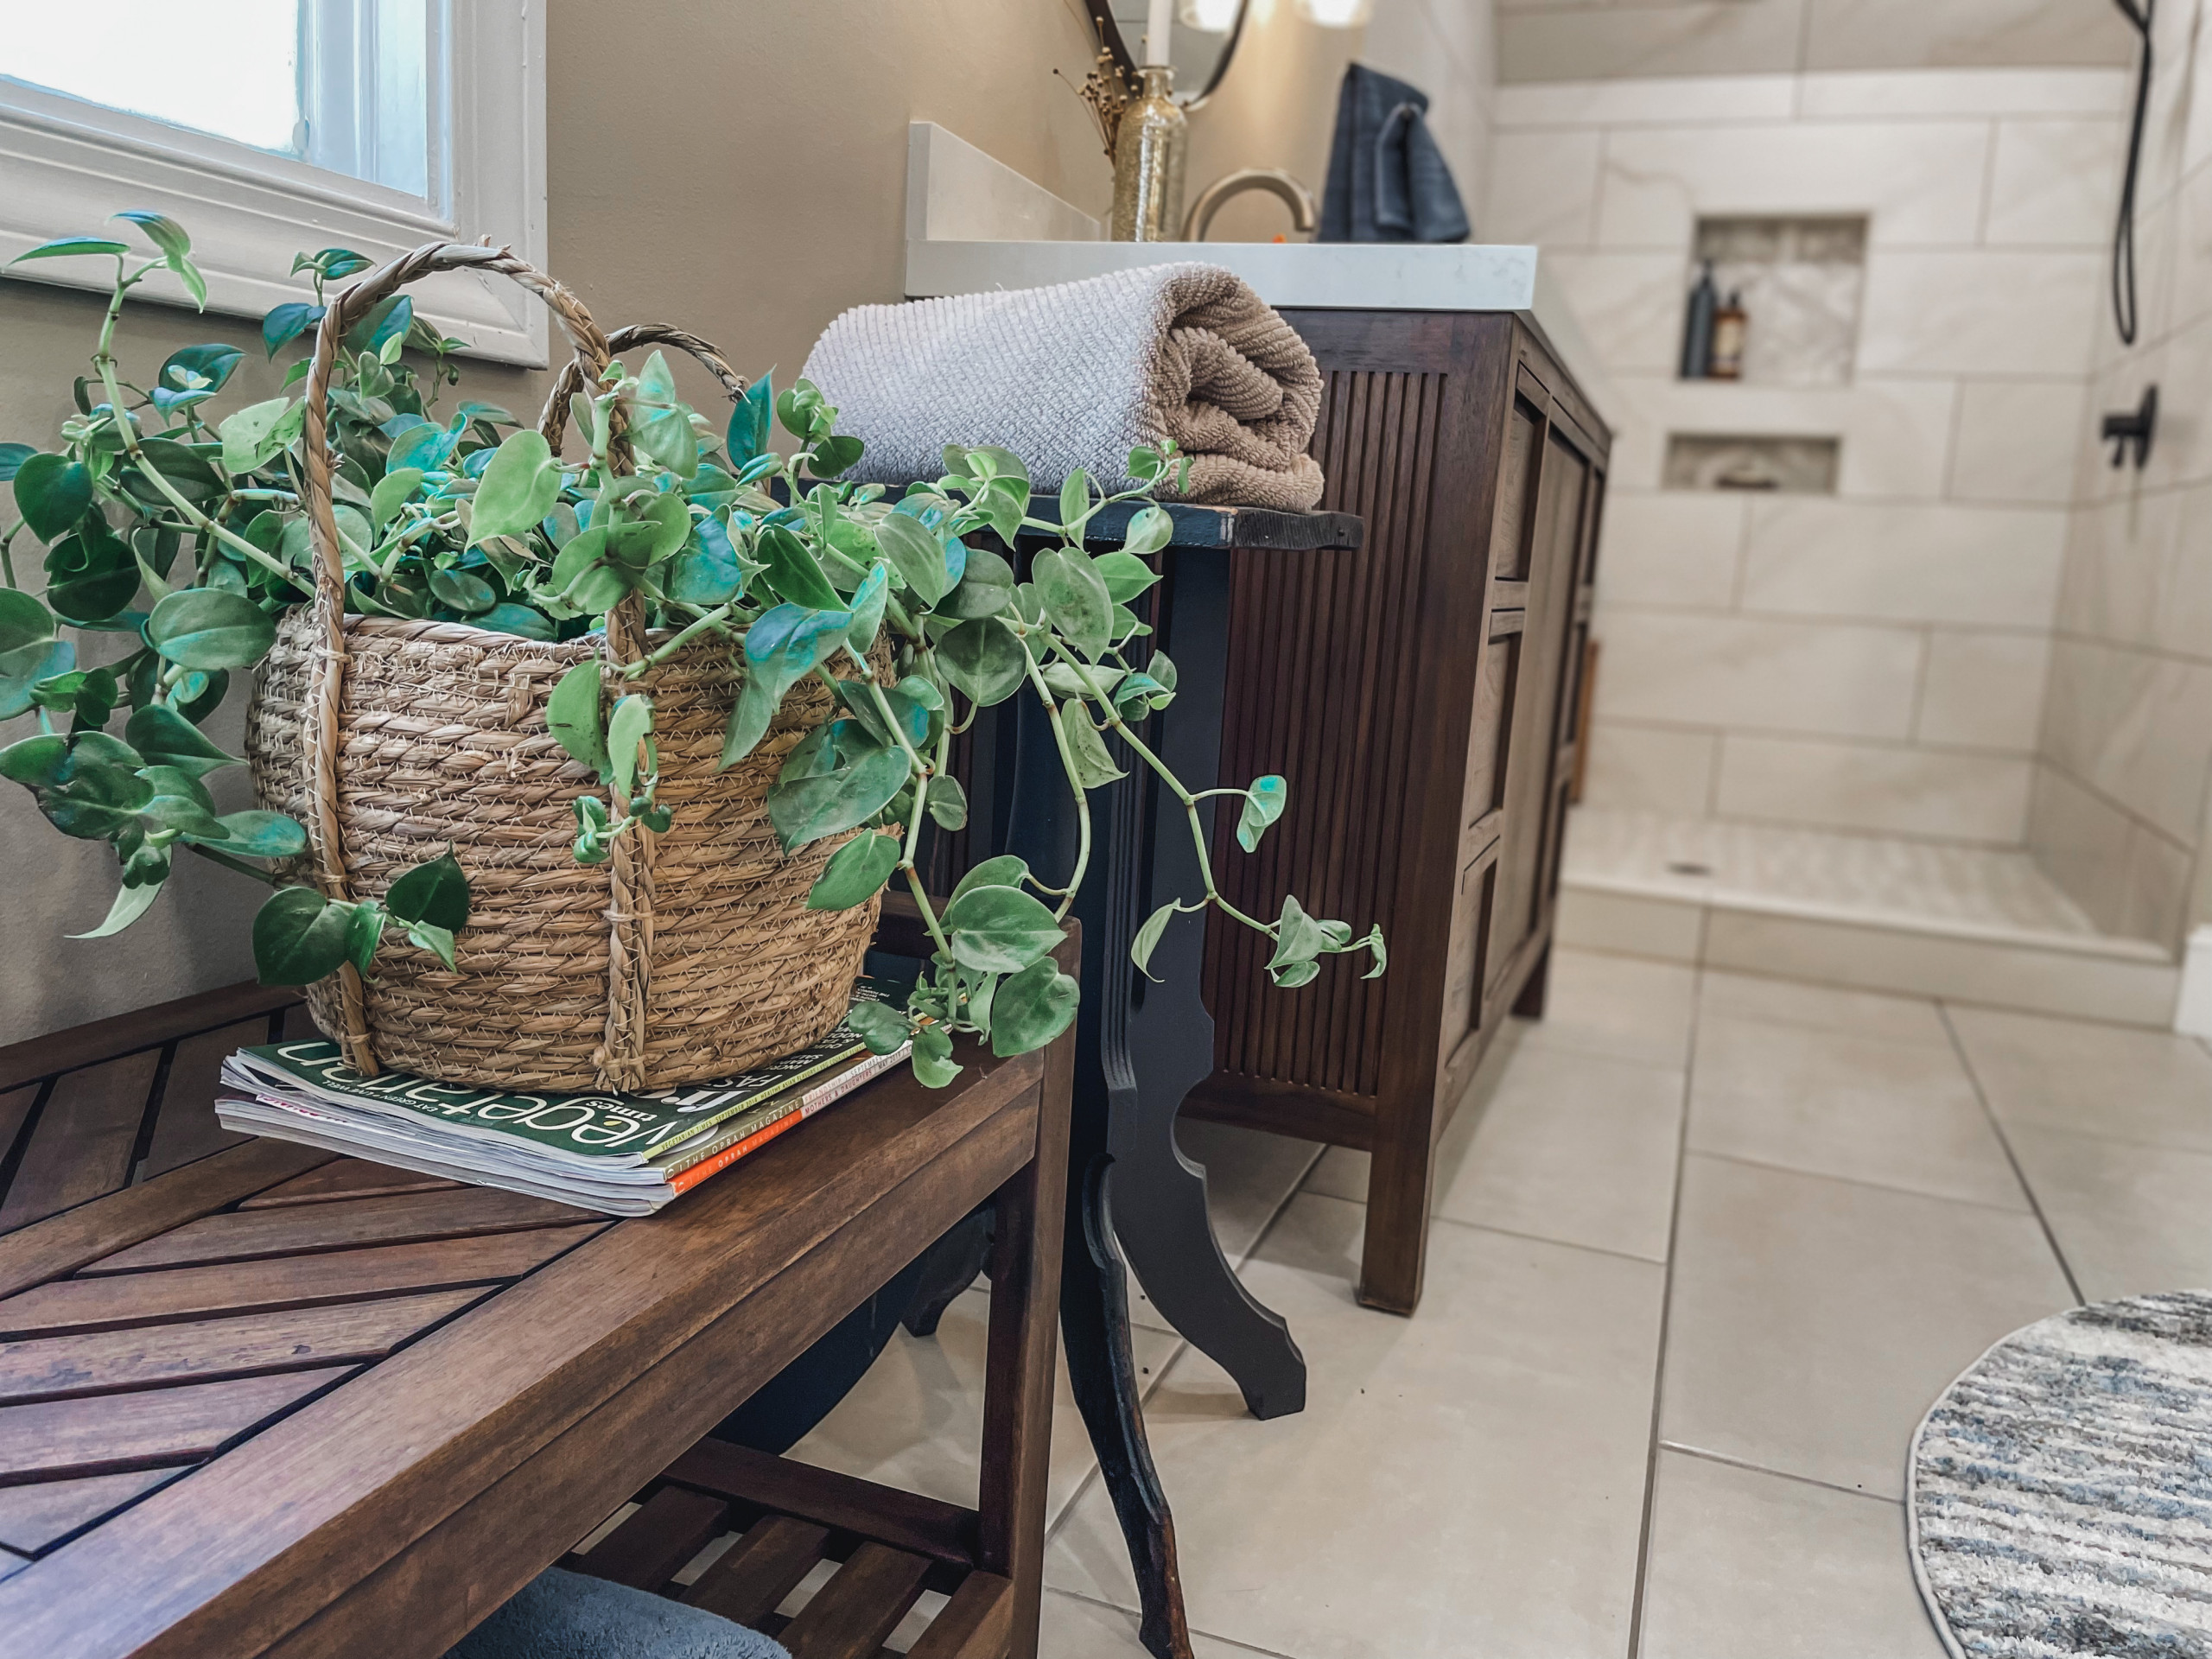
(1166, 1048)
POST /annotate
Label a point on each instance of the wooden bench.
(262, 1400)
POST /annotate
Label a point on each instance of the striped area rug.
(2060, 1491)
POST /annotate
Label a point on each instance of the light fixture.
(1336, 14)
(1207, 16)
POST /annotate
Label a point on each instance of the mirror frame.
(1110, 36)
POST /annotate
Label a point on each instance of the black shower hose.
(2123, 240)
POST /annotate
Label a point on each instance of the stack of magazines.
(621, 1154)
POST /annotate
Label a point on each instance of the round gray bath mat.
(2060, 1497)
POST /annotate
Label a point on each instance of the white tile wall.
(2054, 183)
(1651, 768)
(1629, 304)
(1922, 182)
(1932, 563)
(1543, 187)
(1645, 100)
(1980, 312)
(2133, 727)
(1982, 797)
(1751, 673)
(1879, 659)
(1877, 93)
(2017, 440)
(1983, 690)
(1673, 547)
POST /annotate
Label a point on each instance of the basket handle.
(553, 419)
(630, 905)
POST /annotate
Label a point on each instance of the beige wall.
(2119, 818)
(739, 169)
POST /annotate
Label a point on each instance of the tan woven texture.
(689, 956)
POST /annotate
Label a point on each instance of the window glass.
(343, 84)
(229, 68)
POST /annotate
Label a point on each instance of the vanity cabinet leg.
(1395, 1248)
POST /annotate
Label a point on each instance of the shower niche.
(1795, 286)
(1784, 466)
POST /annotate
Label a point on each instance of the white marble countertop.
(1365, 276)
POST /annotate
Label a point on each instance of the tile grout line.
(1681, 1449)
(1539, 1238)
(1860, 1180)
(1666, 1311)
(1115, 1607)
(2019, 1174)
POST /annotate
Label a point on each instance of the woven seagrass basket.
(688, 955)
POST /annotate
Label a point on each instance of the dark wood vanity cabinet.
(1421, 695)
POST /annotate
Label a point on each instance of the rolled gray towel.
(561, 1615)
(1080, 374)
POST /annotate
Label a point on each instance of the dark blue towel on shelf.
(1387, 181)
(560, 1615)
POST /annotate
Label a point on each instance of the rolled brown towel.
(1080, 374)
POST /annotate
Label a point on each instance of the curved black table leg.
(1160, 1202)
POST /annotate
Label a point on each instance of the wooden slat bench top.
(268, 1401)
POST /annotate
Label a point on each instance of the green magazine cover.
(603, 1129)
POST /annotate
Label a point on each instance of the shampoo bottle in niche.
(1697, 326)
(1729, 325)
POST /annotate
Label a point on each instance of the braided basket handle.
(590, 346)
(553, 419)
(625, 630)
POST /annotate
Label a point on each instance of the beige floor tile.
(1865, 1108)
(1626, 1007)
(2129, 1219)
(1824, 1007)
(2147, 1086)
(1465, 1482)
(1249, 1176)
(915, 1420)
(1563, 1145)
(1812, 1320)
(1075, 1629)
(1751, 1565)
(1572, 1146)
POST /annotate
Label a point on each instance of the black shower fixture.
(2132, 430)
(2137, 12)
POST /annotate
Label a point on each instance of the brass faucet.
(1303, 213)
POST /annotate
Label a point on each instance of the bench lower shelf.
(776, 1522)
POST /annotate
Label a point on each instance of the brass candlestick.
(1148, 154)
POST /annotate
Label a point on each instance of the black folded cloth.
(1387, 181)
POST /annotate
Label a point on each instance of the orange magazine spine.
(722, 1161)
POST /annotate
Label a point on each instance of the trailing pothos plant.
(730, 545)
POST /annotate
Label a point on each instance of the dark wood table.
(273, 1402)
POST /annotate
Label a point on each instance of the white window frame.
(65, 164)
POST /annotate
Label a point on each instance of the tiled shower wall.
(1874, 660)
(2119, 814)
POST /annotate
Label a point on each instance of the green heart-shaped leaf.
(572, 715)
(855, 874)
(52, 492)
(299, 937)
(203, 627)
(518, 487)
(435, 892)
(999, 930)
(1033, 1007)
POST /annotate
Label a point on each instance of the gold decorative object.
(1148, 155)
